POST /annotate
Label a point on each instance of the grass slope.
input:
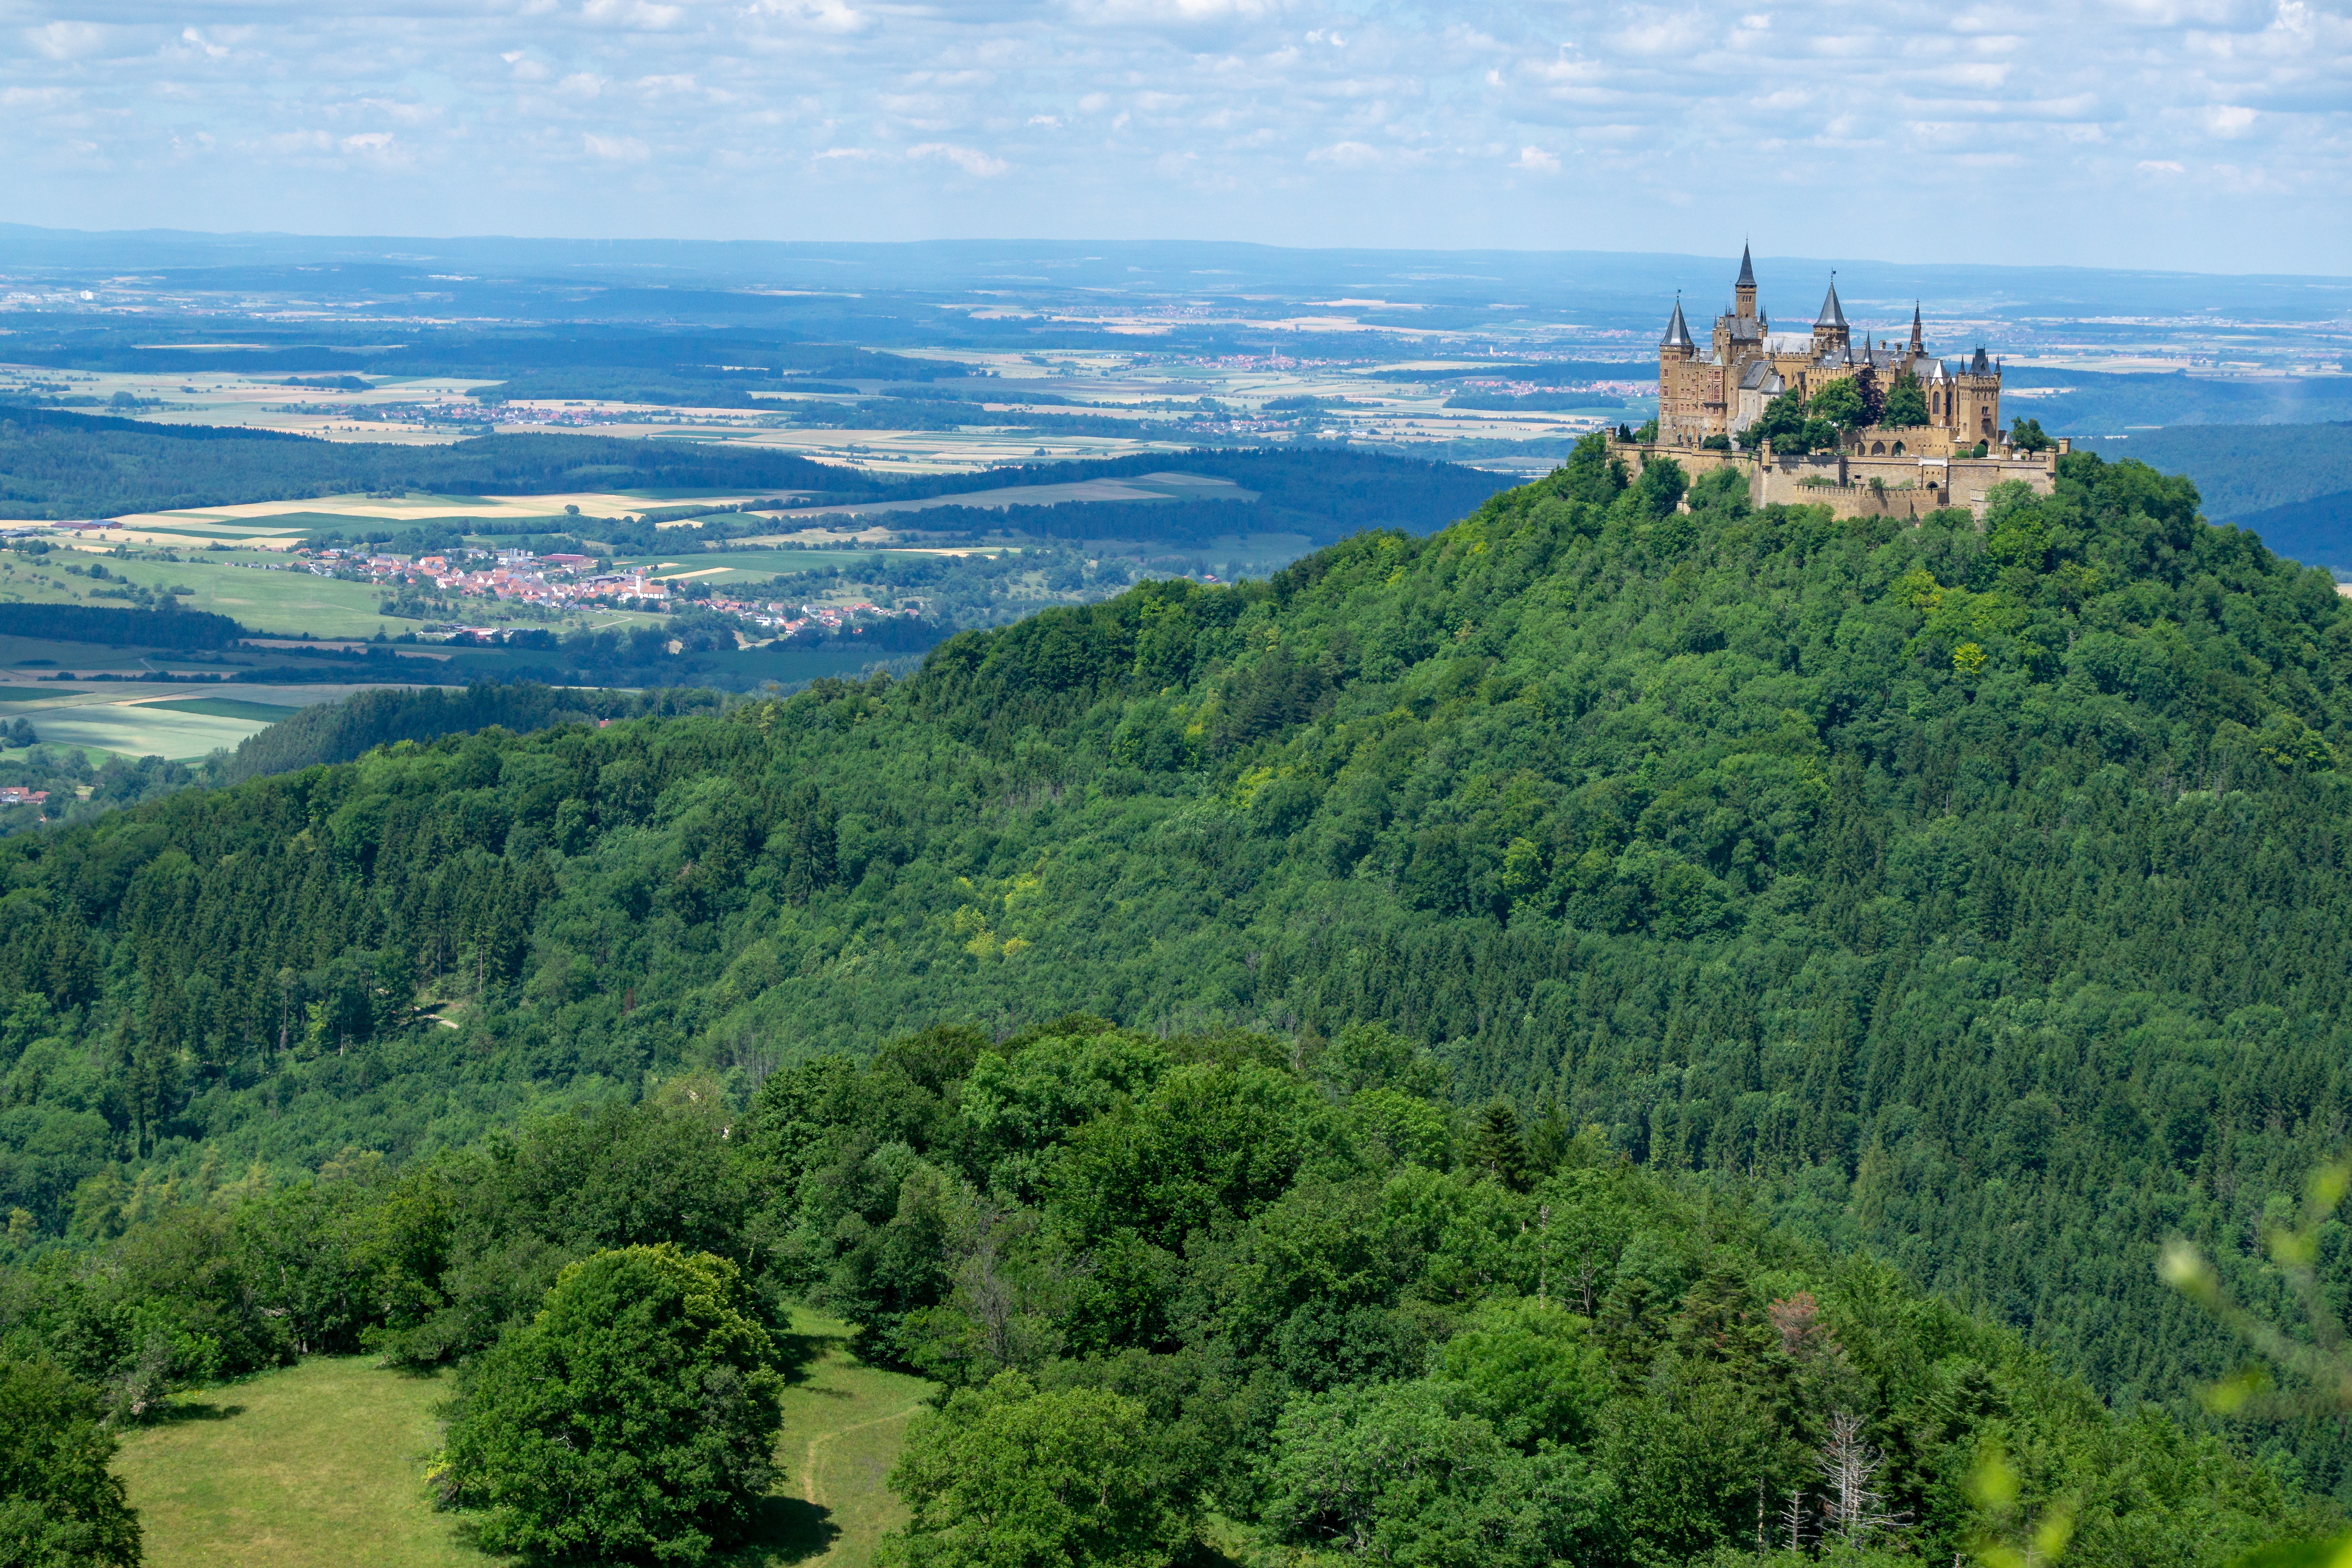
(323, 1464)
(843, 1422)
(320, 1464)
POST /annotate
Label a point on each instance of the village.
(561, 582)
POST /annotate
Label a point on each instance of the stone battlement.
(1859, 484)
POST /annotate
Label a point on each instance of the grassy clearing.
(321, 1466)
(843, 1422)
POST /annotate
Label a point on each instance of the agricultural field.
(181, 731)
(321, 1466)
(135, 719)
(261, 593)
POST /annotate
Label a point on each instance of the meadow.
(323, 1464)
(314, 1465)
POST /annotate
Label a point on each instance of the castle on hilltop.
(1721, 390)
(1948, 450)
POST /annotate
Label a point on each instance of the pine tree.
(1496, 1148)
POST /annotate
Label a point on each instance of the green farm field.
(271, 601)
(321, 1466)
(182, 732)
(228, 707)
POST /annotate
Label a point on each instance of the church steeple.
(1917, 345)
(1743, 292)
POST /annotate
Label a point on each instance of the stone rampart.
(1857, 484)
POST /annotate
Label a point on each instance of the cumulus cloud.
(65, 40)
(2188, 132)
(971, 160)
(615, 149)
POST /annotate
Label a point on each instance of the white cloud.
(635, 14)
(971, 160)
(378, 147)
(615, 149)
(63, 40)
(1281, 116)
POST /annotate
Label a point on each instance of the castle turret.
(1918, 345)
(1829, 330)
(1743, 292)
(1678, 339)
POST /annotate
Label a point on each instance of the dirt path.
(808, 1463)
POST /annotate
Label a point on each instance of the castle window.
(1898, 449)
(1878, 449)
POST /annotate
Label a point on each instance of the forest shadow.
(181, 1412)
(796, 1353)
(785, 1530)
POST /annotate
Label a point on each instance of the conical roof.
(1747, 270)
(1980, 365)
(1915, 338)
(1677, 331)
(1833, 314)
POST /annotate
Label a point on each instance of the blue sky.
(2198, 134)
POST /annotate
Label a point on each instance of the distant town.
(567, 582)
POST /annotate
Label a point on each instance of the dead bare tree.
(1848, 1465)
(1794, 1518)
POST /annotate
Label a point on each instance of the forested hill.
(1979, 895)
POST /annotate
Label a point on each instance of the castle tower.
(1677, 341)
(1976, 400)
(1677, 381)
(1830, 334)
(1743, 292)
(1917, 345)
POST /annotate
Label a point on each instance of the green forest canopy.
(1971, 895)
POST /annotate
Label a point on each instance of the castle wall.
(1917, 440)
(1853, 485)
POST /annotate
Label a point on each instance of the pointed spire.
(1678, 330)
(1917, 344)
(1833, 314)
(1746, 269)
